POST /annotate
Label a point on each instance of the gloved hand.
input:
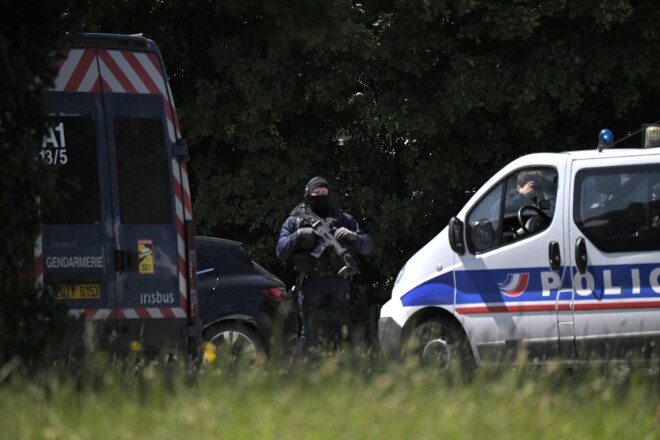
(346, 235)
(307, 234)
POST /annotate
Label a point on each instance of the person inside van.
(527, 192)
(604, 191)
(494, 221)
(529, 187)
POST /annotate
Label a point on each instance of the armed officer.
(322, 242)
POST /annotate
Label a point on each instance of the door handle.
(554, 256)
(125, 260)
(581, 255)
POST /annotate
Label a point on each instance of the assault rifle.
(326, 234)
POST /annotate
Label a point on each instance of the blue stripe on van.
(438, 291)
(536, 285)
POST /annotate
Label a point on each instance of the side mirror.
(455, 229)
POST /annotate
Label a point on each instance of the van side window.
(618, 209)
(143, 171)
(521, 205)
(483, 220)
(69, 147)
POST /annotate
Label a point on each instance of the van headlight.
(400, 275)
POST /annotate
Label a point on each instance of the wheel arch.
(238, 319)
(427, 313)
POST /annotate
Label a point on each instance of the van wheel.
(233, 344)
(440, 346)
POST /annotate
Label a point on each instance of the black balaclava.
(319, 204)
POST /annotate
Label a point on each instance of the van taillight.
(23, 275)
(275, 293)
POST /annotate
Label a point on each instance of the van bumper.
(173, 336)
(149, 337)
(389, 334)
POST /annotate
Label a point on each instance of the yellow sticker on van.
(146, 255)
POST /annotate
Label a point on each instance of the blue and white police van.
(556, 257)
(116, 244)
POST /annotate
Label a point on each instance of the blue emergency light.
(605, 139)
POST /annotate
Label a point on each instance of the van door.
(144, 229)
(507, 289)
(76, 227)
(615, 254)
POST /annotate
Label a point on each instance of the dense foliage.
(406, 106)
(29, 46)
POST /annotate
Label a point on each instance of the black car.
(244, 308)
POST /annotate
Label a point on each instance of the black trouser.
(324, 299)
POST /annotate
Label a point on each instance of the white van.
(566, 267)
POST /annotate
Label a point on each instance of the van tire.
(234, 344)
(440, 345)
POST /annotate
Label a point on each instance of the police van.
(116, 244)
(556, 257)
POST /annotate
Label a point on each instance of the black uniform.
(322, 290)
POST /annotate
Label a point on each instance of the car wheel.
(440, 346)
(233, 344)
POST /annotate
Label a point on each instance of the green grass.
(359, 400)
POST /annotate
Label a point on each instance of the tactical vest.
(302, 259)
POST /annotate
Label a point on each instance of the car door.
(507, 286)
(615, 249)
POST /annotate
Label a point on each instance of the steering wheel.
(526, 225)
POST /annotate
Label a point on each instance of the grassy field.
(364, 399)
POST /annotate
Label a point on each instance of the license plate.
(77, 291)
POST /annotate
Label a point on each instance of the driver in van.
(528, 191)
(529, 187)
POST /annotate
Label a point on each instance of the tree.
(28, 65)
(435, 98)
